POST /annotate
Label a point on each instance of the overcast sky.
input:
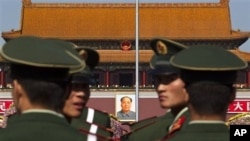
(10, 11)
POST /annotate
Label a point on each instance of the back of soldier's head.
(42, 68)
(209, 73)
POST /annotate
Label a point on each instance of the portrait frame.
(118, 97)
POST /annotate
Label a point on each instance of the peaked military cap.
(92, 59)
(163, 50)
(29, 56)
(70, 47)
(90, 55)
(212, 63)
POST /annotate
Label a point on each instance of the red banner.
(239, 106)
(5, 104)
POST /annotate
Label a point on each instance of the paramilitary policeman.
(209, 73)
(81, 117)
(170, 90)
(40, 71)
(79, 85)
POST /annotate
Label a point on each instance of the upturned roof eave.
(240, 35)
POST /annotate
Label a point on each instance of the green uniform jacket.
(91, 117)
(143, 123)
(163, 129)
(39, 127)
(161, 125)
(202, 132)
(99, 131)
(94, 116)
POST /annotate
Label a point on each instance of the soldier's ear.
(17, 93)
(16, 88)
(186, 94)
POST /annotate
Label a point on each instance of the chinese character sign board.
(239, 106)
(5, 104)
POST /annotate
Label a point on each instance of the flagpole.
(137, 59)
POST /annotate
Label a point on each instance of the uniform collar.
(178, 116)
(207, 122)
(42, 111)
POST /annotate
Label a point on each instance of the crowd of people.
(50, 92)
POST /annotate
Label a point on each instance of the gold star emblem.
(83, 54)
(161, 48)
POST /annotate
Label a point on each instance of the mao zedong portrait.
(125, 113)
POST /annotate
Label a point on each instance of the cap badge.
(83, 54)
(161, 48)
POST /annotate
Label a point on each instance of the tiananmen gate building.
(110, 29)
